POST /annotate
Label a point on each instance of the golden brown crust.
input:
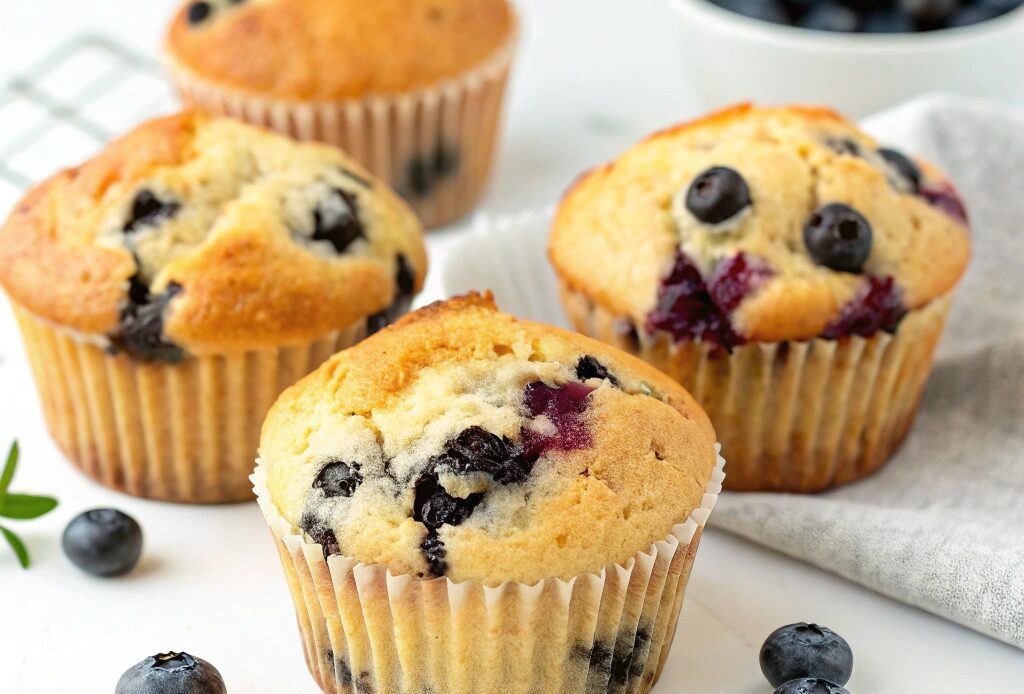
(248, 282)
(459, 363)
(617, 230)
(339, 49)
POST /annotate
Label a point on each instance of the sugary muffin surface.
(463, 442)
(336, 49)
(194, 234)
(761, 224)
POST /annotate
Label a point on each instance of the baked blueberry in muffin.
(230, 257)
(757, 235)
(462, 470)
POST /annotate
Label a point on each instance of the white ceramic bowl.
(735, 58)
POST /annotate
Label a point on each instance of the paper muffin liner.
(181, 432)
(435, 145)
(366, 630)
(794, 416)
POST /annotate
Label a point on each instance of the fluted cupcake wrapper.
(794, 416)
(366, 630)
(435, 146)
(181, 432)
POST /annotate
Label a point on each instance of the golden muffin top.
(302, 50)
(761, 224)
(194, 234)
(464, 442)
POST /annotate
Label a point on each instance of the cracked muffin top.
(194, 234)
(761, 224)
(466, 443)
(336, 49)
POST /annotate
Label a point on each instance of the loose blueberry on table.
(872, 16)
(103, 542)
(171, 673)
(802, 650)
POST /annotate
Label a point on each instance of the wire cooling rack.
(64, 108)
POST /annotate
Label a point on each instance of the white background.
(593, 77)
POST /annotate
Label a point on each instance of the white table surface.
(594, 76)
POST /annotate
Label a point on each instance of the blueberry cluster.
(806, 659)
(872, 16)
(473, 451)
(140, 330)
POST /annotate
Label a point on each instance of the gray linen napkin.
(942, 526)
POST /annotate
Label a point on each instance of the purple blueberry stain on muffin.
(877, 306)
(735, 278)
(558, 418)
(686, 310)
(944, 196)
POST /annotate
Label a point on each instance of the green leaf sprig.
(19, 506)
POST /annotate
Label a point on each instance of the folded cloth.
(942, 526)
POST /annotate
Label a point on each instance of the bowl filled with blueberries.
(858, 55)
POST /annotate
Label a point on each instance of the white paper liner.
(795, 416)
(387, 133)
(366, 630)
(176, 432)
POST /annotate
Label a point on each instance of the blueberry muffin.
(468, 503)
(787, 270)
(413, 89)
(169, 289)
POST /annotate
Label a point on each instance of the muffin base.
(182, 432)
(794, 416)
(435, 145)
(366, 630)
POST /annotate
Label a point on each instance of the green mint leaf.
(17, 545)
(26, 506)
(9, 467)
